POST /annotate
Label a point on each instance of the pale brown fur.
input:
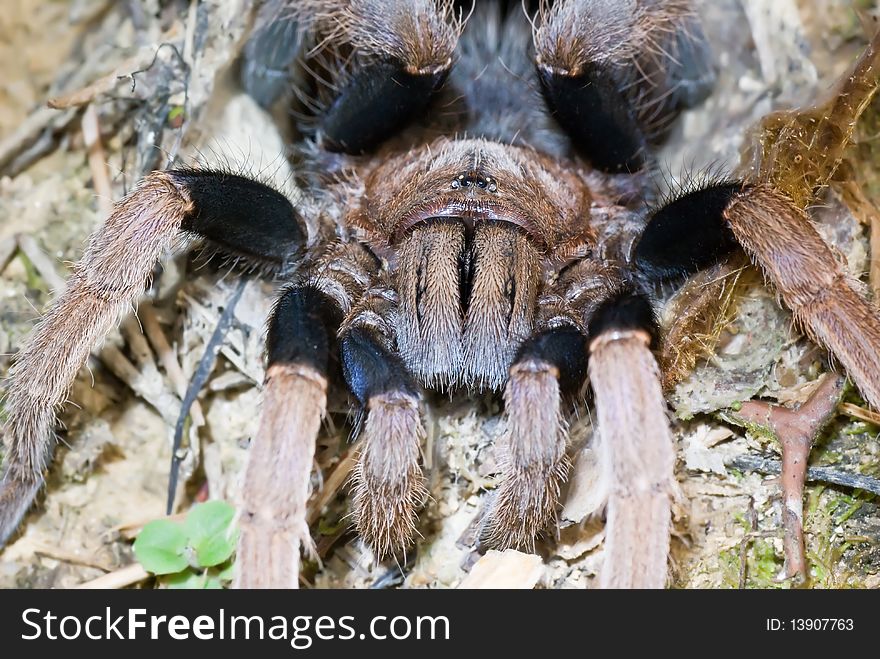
(501, 312)
(419, 33)
(277, 479)
(343, 273)
(429, 320)
(107, 281)
(388, 487)
(634, 40)
(636, 457)
(825, 300)
(531, 458)
(570, 33)
(697, 313)
(548, 201)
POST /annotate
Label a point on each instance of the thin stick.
(203, 372)
(30, 130)
(860, 413)
(91, 130)
(137, 342)
(69, 557)
(163, 401)
(130, 530)
(102, 85)
(333, 482)
(8, 248)
(744, 545)
(153, 329)
(42, 263)
(127, 576)
(874, 272)
(831, 475)
(796, 431)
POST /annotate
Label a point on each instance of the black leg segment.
(596, 116)
(370, 369)
(565, 348)
(241, 216)
(687, 235)
(302, 329)
(381, 98)
(625, 312)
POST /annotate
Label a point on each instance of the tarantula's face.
(468, 223)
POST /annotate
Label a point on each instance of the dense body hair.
(474, 219)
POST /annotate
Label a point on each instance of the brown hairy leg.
(104, 284)
(637, 457)
(531, 456)
(549, 368)
(107, 281)
(277, 480)
(634, 442)
(825, 300)
(388, 487)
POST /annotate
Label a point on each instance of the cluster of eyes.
(483, 182)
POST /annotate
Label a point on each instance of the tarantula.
(472, 220)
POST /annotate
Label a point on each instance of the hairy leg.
(633, 438)
(636, 450)
(812, 282)
(549, 366)
(388, 485)
(386, 59)
(301, 340)
(615, 74)
(107, 281)
(704, 226)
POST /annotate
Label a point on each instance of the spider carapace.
(472, 218)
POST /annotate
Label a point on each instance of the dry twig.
(796, 431)
(91, 131)
(8, 248)
(43, 264)
(127, 576)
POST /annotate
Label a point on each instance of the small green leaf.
(159, 547)
(227, 572)
(186, 580)
(213, 583)
(209, 529)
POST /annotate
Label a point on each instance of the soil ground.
(111, 469)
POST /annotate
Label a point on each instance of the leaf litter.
(111, 469)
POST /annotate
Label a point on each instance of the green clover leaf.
(160, 547)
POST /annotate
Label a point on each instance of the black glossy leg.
(687, 234)
(381, 99)
(241, 216)
(596, 116)
(302, 329)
